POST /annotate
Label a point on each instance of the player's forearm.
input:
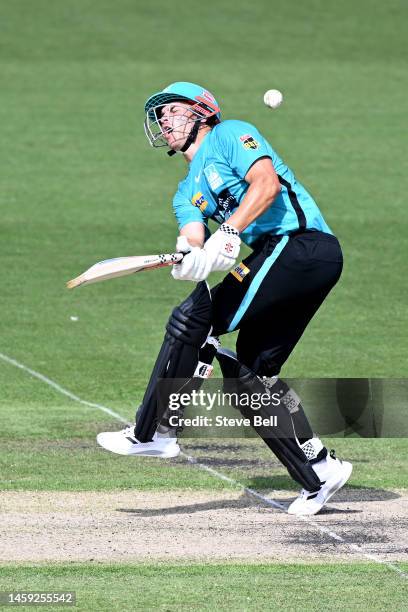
(195, 233)
(257, 200)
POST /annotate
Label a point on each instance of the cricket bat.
(121, 266)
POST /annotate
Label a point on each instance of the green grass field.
(221, 587)
(79, 183)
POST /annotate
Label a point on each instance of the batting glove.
(195, 265)
(223, 248)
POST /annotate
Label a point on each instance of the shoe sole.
(338, 486)
(169, 454)
(146, 453)
(334, 488)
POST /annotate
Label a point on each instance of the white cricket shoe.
(124, 443)
(333, 474)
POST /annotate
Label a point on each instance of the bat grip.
(180, 256)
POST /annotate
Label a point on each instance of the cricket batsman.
(238, 180)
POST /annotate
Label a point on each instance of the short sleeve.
(185, 211)
(241, 144)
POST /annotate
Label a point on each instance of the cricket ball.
(273, 98)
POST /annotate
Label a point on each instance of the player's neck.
(192, 149)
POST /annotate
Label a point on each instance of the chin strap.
(190, 139)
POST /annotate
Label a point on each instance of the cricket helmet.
(203, 105)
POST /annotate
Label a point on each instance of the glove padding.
(223, 247)
(219, 254)
(194, 266)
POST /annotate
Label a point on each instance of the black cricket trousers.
(273, 294)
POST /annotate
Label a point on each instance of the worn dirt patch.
(130, 526)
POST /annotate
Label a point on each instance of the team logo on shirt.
(240, 271)
(249, 142)
(213, 178)
(199, 200)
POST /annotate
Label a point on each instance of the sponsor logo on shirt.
(213, 178)
(240, 271)
(249, 142)
(199, 200)
(226, 201)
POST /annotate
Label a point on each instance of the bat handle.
(179, 256)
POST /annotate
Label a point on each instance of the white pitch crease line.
(247, 490)
(251, 492)
(60, 389)
(305, 519)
